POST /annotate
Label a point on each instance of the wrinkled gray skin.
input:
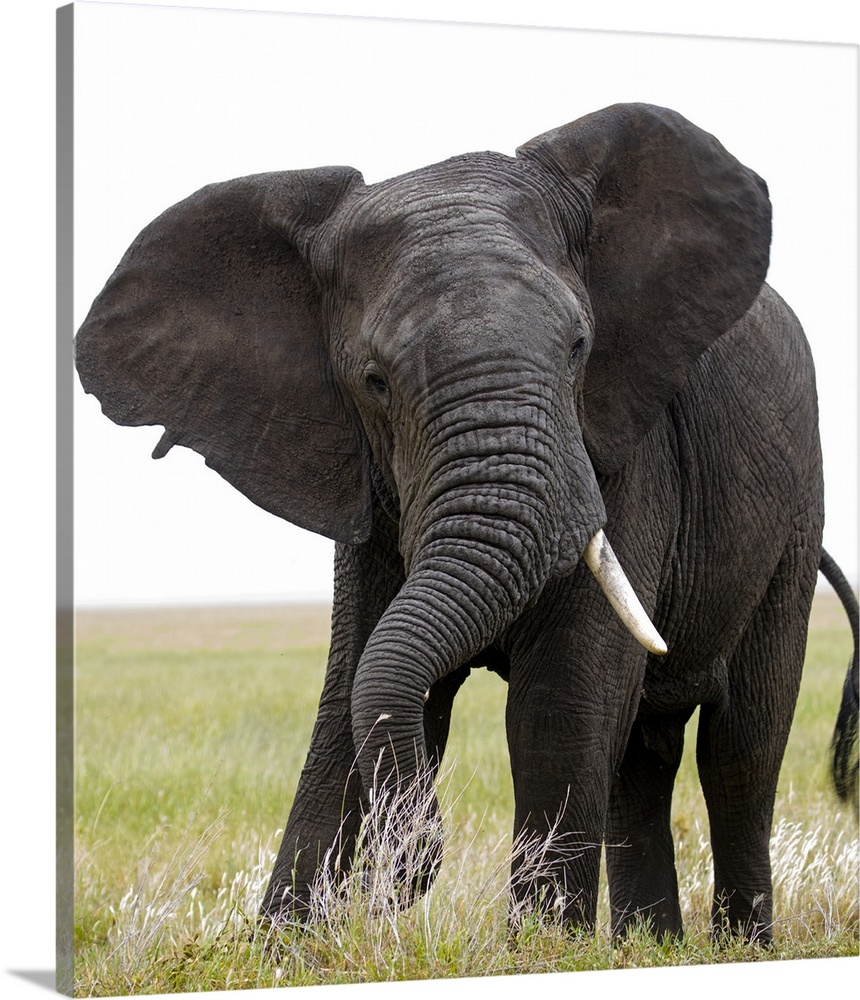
(460, 375)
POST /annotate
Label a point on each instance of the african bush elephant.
(470, 377)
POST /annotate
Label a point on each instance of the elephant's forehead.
(474, 177)
(471, 213)
(453, 200)
(462, 253)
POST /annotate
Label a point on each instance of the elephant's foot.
(660, 923)
(550, 909)
(556, 896)
(737, 915)
(284, 906)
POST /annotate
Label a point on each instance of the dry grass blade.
(143, 915)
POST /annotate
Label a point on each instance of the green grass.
(191, 728)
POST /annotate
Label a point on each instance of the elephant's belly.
(682, 683)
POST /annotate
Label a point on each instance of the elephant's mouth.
(606, 569)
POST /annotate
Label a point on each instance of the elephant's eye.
(375, 383)
(578, 347)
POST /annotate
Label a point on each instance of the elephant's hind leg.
(640, 854)
(741, 743)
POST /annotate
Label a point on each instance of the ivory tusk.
(604, 565)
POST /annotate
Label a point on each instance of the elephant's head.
(463, 348)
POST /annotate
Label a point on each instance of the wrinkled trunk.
(477, 552)
(451, 607)
(448, 611)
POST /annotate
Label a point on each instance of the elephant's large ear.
(676, 250)
(212, 327)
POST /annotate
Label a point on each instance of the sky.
(167, 100)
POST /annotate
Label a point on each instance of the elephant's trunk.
(480, 534)
(448, 611)
(450, 608)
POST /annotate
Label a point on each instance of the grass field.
(191, 729)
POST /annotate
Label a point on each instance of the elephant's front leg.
(570, 707)
(326, 814)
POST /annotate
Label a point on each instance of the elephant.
(559, 427)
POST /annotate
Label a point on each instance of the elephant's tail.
(844, 763)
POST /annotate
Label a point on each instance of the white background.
(777, 112)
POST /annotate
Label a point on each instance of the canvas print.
(491, 606)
